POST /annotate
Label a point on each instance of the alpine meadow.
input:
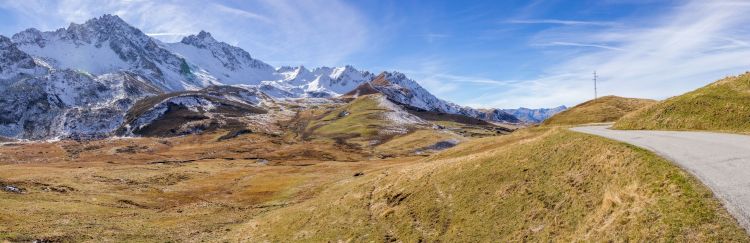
(374, 121)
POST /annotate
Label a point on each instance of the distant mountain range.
(535, 115)
(86, 79)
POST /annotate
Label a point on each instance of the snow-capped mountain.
(221, 62)
(87, 80)
(227, 64)
(80, 81)
(535, 115)
(498, 115)
(107, 44)
(400, 89)
(14, 62)
(320, 82)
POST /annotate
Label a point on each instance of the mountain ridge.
(90, 75)
(535, 115)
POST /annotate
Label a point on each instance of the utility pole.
(595, 94)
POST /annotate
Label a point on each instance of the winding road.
(721, 161)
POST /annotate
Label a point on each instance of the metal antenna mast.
(595, 94)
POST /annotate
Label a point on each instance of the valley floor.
(181, 189)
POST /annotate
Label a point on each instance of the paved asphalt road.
(721, 161)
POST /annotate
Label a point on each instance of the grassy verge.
(604, 109)
(720, 106)
(535, 185)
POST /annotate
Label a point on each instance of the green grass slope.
(363, 117)
(604, 109)
(542, 184)
(372, 122)
(721, 106)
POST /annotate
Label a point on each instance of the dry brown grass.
(181, 189)
(721, 106)
(545, 184)
(408, 143)
(538, 184)
(603, 109)
(190, 188)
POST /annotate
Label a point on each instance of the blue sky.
(478, 53)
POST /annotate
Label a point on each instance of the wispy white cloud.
(679, 49)
(560, 22)
(241, 13)
(563, 43)
(699, 42)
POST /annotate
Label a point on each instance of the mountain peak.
(400, 89)
(394, 75)
(342, 71)
(4, 42)
(30, 35)
(14, 61)
(98, 30)
(347, 68)
(534, 115)
(389, 78)
(201, 40)
(107, 19)
(297, 71)
(105, 23)
(95, 30)
(205, 35)
(284, 69)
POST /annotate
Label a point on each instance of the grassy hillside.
(371, 121)
(538, 184)
(604, 109)
(368, 121)
(720, 106)
(362, 117)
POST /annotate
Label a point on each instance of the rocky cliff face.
(15, 63)
(67, 103)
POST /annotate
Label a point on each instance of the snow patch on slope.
(397, 114)
(225, 63)
(87, 58)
